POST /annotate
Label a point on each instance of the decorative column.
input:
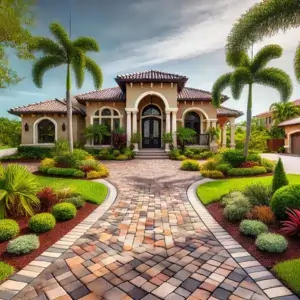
(232, 132)
(224, 137)
(174, 126)
(214, 124)
(168, 127)
(128, 127)
(134, 121)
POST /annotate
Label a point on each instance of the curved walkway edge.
(20, 280)
(271, 286)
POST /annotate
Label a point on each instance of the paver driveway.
(150, 244)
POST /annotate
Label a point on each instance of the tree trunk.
(69, 109)
(249, 119)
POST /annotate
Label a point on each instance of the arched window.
(46, 131)
(151, 110)
(192, 120)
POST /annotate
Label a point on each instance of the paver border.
(16, 283)
(269, 284)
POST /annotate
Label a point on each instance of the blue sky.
(185, 37)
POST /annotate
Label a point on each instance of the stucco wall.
(288, 131)
(205, 106)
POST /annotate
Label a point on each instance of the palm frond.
(261, 20)
(95, 71)
(86, 44)
(220, 84)
(238, 59)
(297, 63)
(264, 56)
(42, 65)
(61, 36)
(277, 79)
(47, 46)
(78, 64)
(239, 78)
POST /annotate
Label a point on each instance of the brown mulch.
(268, 260)
(47, 239)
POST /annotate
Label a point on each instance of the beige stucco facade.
(289, 131)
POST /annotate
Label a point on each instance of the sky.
(183, 37)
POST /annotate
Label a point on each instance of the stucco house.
(150, 103)
(292, 135)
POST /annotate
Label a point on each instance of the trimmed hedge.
(23, 244)
(253, 227)
(8, 229)
(247, 171)
(41, 223)
(271, 242)
(190, 165)
(212, 174)
(65, 172)
(30, 152)
(64, 211)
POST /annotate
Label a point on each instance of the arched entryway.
(46, 131)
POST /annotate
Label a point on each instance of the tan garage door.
(296, 143)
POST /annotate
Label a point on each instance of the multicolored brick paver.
(150, 244)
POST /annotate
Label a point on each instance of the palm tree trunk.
(69, 109)
(249, 119)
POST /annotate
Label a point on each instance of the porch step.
(151, 154)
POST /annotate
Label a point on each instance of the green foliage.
(234, 157)
(236, 209)
(71, 160)
(78, 201)
(258, 194)
(224, 168)
(135, 138)
(247, 171)
(277, 132)
(209, 165)
(10, 132)
(271, 242)
(129, 153)
(6, 270)
(253, 227)
(8, 229)
(30, 152)
(235, 196)
(167, 138)
(65, 172)
(174, 153)
(61, 146)
(41, 223)
(116, 153)
(284, 111)
(18, 188)
(64, 211)
(181, 157)
(188, 153)
(268, 164)
(122, 157)
(185, 135)
(89, 165)
(212, 174)
(284, 198)
(203, 155)
(96, 131)
(190, 165)
(279, 178)
(23, 244)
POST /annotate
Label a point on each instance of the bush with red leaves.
(86, 168)
(292, 226)
(47, 198)
(248, 164)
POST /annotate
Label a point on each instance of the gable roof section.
(193, 94)
(294, 121)
(110, 94)
(228, 112)
(49, 106)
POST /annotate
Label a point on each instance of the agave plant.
(292, 226)
(18, 188)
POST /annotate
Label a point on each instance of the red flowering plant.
(249, 164)
(47, 198)
(291, 226)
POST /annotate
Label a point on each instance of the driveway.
(291, 163)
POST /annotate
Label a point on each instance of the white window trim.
(35, 130)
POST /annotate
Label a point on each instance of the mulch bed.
(268, 260)
(47, 239)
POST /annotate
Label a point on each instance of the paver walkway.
(151, 244)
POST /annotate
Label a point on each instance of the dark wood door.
(296, 143)
(151, 133)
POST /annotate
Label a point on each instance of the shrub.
(80, 154)
(209, 165)
(237, 209)
(268, 164)
(48, 162)
(78, 201)
(284, 198)
(252, 227)
(249, 164)
(232, 197)
(263, 214)
(66, 160)
(234, 157)
(8, 229)
(47, 198)
(60, 146)
(188, 153)
(224, 168)
(30, 152)
(119, 139)
(129, 153)
(292, 226)
(103, 172)
(64, 193)
(181, 157)
(64, 211)
(23, 244)
(174, 153)
(41, 223)
(271, 242)
(279, 178)
(206, 154)
(122, 157)
(65, 172)
(89, 165)
(116, 153)
(247, 171)
(258, 193)
(197, 156)
(212, 174)
(190, 165)
(255, 157)
(6, 270)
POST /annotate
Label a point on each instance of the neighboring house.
(150, 103)
(292, 135)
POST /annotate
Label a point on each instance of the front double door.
(151, 133)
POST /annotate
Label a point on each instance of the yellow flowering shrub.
(48, 162)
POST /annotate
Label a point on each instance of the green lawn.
(93, 191)
(289, 272)
(213, 191)
(5, 147)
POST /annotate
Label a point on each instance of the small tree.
(185, 135)
(96, 131)
(279, 178)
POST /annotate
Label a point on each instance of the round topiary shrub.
(41, 223)
(8, 229)
(271, 242)
(23, 244)
(190, 165)
(78, 201)
(64, 211)
(284, 198)
(253, 227)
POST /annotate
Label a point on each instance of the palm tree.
(284, 111)
(249, 72)
(265, 19)
(63, 51)
(96, 131)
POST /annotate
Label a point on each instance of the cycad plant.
(96, 131)
(63, 51)
(284, 111)
(248, 72)
(18, 189)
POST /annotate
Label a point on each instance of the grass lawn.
(93, 191)
(289, 272)
(5, 147)
(213, 191)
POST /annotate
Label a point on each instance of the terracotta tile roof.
(49, 106)
(193, 94)
(294, 121)
(228, 112)
(110, 94)
(297, 102)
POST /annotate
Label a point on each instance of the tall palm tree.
(284, 111)
(265, 19)
(63, 51)
(249, 72)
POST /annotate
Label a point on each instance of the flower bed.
(113, 153)
(189, 152)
